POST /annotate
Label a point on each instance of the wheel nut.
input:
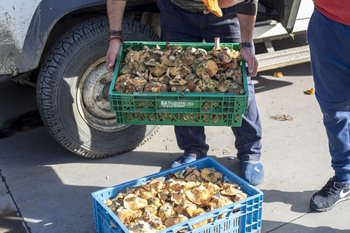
(103, 81)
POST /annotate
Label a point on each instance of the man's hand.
(115, 11)
(248, 55)
(113, 50)
(225, 4)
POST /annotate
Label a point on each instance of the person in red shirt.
(329, 40)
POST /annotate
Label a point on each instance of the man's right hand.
(113, 50)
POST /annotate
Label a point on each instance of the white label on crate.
(176, 104)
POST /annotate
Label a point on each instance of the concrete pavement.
(46, 189)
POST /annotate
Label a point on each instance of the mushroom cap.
(210, 67)
(196, 213)
(156, 184)
(132, 55)
(190, 50)
(169, 60)
(176, 185)
(177, 81)
(193, 176)
(198, 194)
(140, 227)
(152, 209)
(220, 201)
(180, 70)
(134, 202)
(166, 211)
(230, 190)
(175, 220)
(155, 201)
(155, 87)
(177, 197)
(126, 216)
(239, 197)
(144, 194)
(200, 52)
(158, 70)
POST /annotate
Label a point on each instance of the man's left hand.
(248, 55)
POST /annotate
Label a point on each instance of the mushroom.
(225, 56)
(190, 50)
(185, 58)
(230, 191)
(193, 176)
(134, 202)
(124, 84)
(169, 60)
(156, 223)
(164, 195)
(223, 87)
(147, 194)
(196, 213)
(132, 55)
(151, 209)
(181, 70)
(139, 83)
(165, 78)
(235, 88)
(175, 220)
(140, 227)
(155, 201)
(158, 70)
(239, 197)
(166, 211)
(176, 185)
(177, 197)
(219, 201)
(156, 184)
(198, 195)
(151, 62)
(209, 67)
(177, 81)
(206, 85)
(155, 87)
(126, 216)
(200, 52)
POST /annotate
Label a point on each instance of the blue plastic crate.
(243, 216)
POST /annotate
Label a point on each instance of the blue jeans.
(184, 26)
(330, 61)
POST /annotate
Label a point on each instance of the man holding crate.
(191, 21)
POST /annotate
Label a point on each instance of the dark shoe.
(253, 172)
(331, 194)
(184, 159)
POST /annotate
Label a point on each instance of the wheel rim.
(93, 99)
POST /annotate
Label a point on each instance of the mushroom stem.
(217, 43)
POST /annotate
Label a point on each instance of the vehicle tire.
(72, 91)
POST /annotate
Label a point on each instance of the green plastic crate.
(172, 108)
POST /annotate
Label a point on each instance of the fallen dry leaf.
(309, 92)
(278, 74)
(282, 117)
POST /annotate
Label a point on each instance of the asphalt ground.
(46, 189)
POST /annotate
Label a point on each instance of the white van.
(60, 47)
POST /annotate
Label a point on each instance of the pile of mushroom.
(175, 69)
(157, 204)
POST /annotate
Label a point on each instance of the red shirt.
(337, 10)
